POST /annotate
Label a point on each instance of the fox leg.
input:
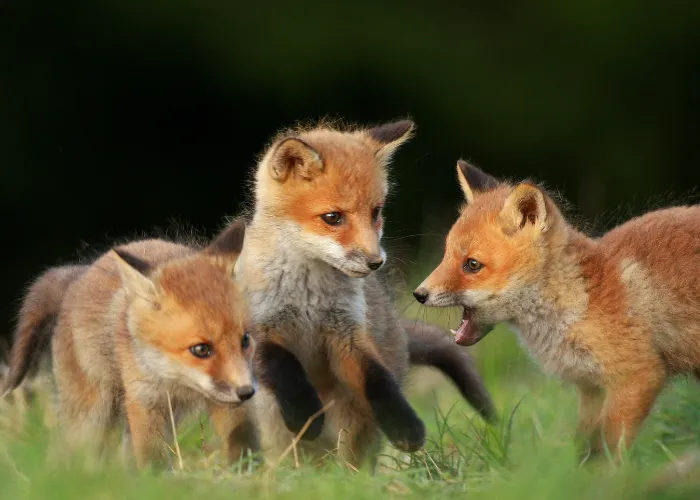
(356, 427)
(359, 443)
(591, 401)
(146, 425)
(85, 409)
(373, 454)
(236, 430)
(282, 373)
(83, 425)
(627, 405)
(357, 365)
(126, 443)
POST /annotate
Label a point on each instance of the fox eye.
(333, 218)
(245, 341)
(376, 213)
(472, 266)
(201, 350)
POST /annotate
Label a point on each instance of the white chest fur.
(545, 331)
(299, 296)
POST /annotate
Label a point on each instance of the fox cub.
(326, 326)
(615, 315)
(147, 321)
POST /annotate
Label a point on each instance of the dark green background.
(119, 117)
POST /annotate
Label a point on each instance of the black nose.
(421, 295)
(245, 392)
(375, 263)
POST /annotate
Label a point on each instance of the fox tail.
(429, 345)
(36, 321)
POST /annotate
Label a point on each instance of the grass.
(529, 454)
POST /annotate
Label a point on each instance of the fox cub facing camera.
(615, 315)
(326, 323)
(147, 321)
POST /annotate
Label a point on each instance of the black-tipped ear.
(230, 240)
(137, 263)
(478, 179)
(389, 137)
(473, 179)
(391, 132)
(133, 272)
(294, 157)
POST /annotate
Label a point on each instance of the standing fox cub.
(616, 315)
(147, 321)
(325, 324)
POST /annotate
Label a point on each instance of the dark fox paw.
(298, 400)
(408, 435)
(394, 414)
(296, 414)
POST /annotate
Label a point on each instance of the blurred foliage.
(117, 117)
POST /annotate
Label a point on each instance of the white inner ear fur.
(468, 194)
(524, 205)
(282, 162)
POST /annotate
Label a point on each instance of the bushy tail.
(36, 321)
(429, 345)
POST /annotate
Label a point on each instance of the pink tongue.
(466, 333)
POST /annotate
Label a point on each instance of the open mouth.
(467, 333)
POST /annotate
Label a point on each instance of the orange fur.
(194, 308)
(124, 336)
(615, 315)
(348, 176)
(312, 291)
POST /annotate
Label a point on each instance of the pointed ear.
(390, 136)
(229, 242)
(133, 272)
(524, 205)
(472, 179)
(294, 157)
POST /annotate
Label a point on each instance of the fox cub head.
(324, 189)
(191, 321)
(495, 254)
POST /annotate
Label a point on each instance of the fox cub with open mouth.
(616, 315)
(149, 326)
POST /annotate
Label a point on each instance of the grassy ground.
(529, 455)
